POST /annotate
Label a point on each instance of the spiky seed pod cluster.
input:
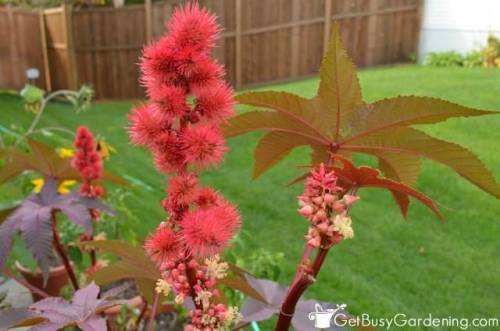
(180, 125)
(88, 162)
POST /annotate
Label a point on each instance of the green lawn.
(416, 267)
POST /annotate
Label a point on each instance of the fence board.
(263, 41)
(21, 47)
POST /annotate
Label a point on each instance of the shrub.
(491, 53)
(444, 59)
(473, 59)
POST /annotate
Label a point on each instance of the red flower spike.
(88, 162)
(184, 137)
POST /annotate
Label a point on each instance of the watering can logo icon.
(322, 317)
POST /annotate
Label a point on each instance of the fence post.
(328, 25)
(70, 47)
(148, 14)
(238, 50)
(418, 26)
(14, 50)
(45, 52)
(295, 39)
(372, 33)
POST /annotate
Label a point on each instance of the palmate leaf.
(337, 122)
(274, 294)
(18, 317)
(134, 264)
(366, 177)
(44, 160)
(55, 313)
(33, 218)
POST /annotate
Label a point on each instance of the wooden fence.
(264, 41)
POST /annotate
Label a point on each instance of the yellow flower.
(162, 287)
(343, 225)
(105, 149)
(65, 152)
(179, 299)
(64, 186)
(233, 315)
(38, 184)
(215, 268)
(203, 298)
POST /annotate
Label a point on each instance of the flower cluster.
(209, 315)
(88, 162)
(325, 206)
(188, 99)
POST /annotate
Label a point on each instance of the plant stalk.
(24, 283)
(191, 276)
(151, 323)
(141, 314)
(62, 254)
(303, 280)
(38, 116)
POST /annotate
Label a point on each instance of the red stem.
(24, 283)
(142, 313)
(298, 287)
(191, 276)
(62, 254)
(92, 254)
(153, 312)
(303, 279)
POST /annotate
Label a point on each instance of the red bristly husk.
(188, 100)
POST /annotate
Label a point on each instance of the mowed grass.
(416, 266)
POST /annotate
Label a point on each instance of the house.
(457, 25)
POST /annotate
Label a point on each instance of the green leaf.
(31, 93)
(367, 177)
(290, 106)
(415, 142)
(134, 264)
(265, 120)
(406, 110)
(403, 168)
(273, 147)
(339, 89)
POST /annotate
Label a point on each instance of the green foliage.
(33, 97)
(473, 59)
(264, 264)
(444, 59)
(487, 56)
(82, 99)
